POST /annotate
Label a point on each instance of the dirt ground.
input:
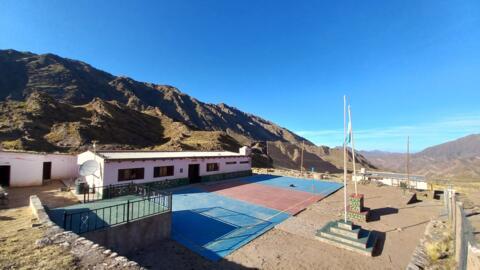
(292, 245)
(18, 232)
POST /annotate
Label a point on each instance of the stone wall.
(89, 254)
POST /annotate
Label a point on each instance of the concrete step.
(363, 244)
(344, 225)
(364, 251)
(360, 242)
(354, 233)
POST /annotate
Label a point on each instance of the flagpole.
(354, 176)
(345, 157)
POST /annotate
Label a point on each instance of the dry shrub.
(437, 250)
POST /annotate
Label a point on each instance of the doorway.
(47, 170)
(194, 173)
(5, 176)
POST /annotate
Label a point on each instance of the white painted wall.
(26, 169)
(111, 168)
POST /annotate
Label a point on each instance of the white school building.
(167, 169)
(22, 168)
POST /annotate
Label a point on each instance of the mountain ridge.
(50, 103)
(456, 159)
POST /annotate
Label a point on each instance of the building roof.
(419, 178)
(129, 155)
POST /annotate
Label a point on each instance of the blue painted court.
(212, 221)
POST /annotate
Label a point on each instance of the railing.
(95, 219)
(113, 191)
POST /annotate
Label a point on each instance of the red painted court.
(278, 198)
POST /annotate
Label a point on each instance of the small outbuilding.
(22, 168)
(165, 169)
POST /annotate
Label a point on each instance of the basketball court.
(215, 219)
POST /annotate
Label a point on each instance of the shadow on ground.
(377, 251)
(376, 214)
(169, 254)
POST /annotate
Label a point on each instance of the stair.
(355, 239)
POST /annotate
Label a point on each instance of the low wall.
(88, 254)
(129, 237)
(171, 183)
(223, 176)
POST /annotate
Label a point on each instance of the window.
(130, 174)
(244, 162)
(163, 171)
(230, 162)
(212, 167)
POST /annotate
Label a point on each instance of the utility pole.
(408, 160)
(301, 159)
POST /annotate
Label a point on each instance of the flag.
(348, 139)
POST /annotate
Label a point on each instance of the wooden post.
(301, 159)
(408, 160)
(345, 157)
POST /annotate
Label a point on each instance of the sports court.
(212, 219)
(215, 219)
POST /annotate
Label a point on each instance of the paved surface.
(212, 219)
(104, 213)
(215, 219)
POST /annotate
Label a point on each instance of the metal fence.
(95, 219)
(112, 191)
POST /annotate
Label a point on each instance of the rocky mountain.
(455, 160)
(50, 103)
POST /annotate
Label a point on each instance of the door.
(5, 176)
(47, 170)
(194, 173)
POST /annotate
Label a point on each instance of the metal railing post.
(128, 210)
(170, 202)
(65, 220)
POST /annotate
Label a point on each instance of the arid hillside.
(50, 103)
(454, 160)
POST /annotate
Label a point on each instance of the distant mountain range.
(455, 160)
(50, 103)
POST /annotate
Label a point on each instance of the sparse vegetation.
(17, 244)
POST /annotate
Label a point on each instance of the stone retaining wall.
(88, 254)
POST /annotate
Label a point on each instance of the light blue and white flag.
(348, 139)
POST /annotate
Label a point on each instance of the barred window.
(211, 167)
(131, 174)
(163, 171)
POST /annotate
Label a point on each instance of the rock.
(43, 242)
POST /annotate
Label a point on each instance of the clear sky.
(410, 67)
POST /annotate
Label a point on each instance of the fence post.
(65, 220)
(459, 235)
(170, 202)
(128, 210)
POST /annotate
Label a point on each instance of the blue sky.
(409, 67)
